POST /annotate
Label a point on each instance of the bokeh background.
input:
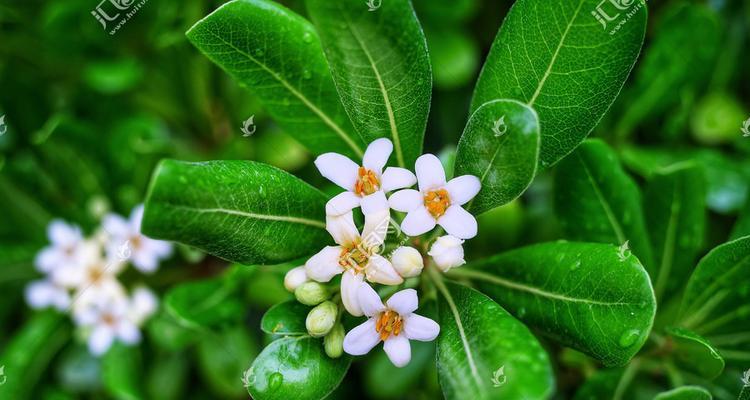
(88, 115)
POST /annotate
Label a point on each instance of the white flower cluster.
(81, 278)
(359, 256)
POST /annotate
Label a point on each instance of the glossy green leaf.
(556, 58)
(400, 380)
(223, 358)
(242, 211)
(694, 353)
(277, 54)
(685, 393)
(287, 318)
(204, 303)
(485, 353)
(381, 69)
(295, 368)
(608, 384)
(596, 201)
(500, 146)
(168, 376)
(676, 218)
(454, 55)
(121, 368)
(592, 297)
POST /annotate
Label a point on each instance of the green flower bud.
(320, 320)
(311, 293)
(334, 341)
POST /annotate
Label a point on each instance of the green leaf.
(287, 318)
(694, 353)
(716, 303)
(167, 377)
(485, 353)
(609, 384)
(204, 303)
(742, 226)
(589, 296)
(242, 211)
(685, 393)
(400, 380)
(295, 368)
(676, 216)
(381, 68)
(500, 145)
(277, 54)
(224, 356)
(556, 58)
(454, 55)
(596, 201)
(121, 368)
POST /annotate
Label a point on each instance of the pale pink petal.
(406, 200)
(374, 203)
(458, 222)
(398, 350)
(396, 178)
(463, 188)
(418, 221)
(350, 284)
(380, 270)
(404, 302)
(369, 300)
(342, 203)
(417, 327)
(430, 173)
(376, 155)
(322, 267)
(338, 169)
(360, 340)
(342, 228)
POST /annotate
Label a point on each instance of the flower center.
(96, 274)
(367, 183)
(389, 323)
(437, 201)
(354, 258)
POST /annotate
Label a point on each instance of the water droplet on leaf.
(629, 338)
(307, 37)
(275, 380)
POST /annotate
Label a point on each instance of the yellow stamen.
(367, 183)
(437, 201)
(354, 257)
(389, 323)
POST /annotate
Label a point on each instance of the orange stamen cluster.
(437, 201)
(354, 258)
(367, 183)
(389, 323)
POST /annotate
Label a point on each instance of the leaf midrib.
(604, 203)
(267, 217)
(667, 258)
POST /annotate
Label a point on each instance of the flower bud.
(311, 293)
(320, 320)
(407, 261)
(294, 278)
(333, 343)
(447, 252)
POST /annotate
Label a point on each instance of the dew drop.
(629, 338)
(307, 37)
(275, 381)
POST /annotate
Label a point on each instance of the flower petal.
(463, 188)
(380, 270)
(61, 233)
(369, 300)
(458, 222)
(396, 178)
(418, 221)
(430, 173)
(128, 333)
(376, 155)
(117, 227)
(374, 203)
(375, 230)
(398, 350)
(406, 200)
(360, 340)
(350, 284)
(404, 302)
(338, 169)
(342, 228)
(325, 265)
(100, 340)
(136, 216)
(417, 327)
(342, 203)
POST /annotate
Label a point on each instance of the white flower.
(447, 252)
(65, 248)
(437, 202)
(361, 182)
(126, 241)
(94, 274)
(107, 321)
(294, 278)
(394, 324)
(143, 304)
(45, 293)
(356, 256)
(407, 261)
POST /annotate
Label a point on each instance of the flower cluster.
(360, 256)
(80, 278)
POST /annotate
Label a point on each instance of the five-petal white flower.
(108, 319)
(361, 182)
(125, 236)
(65, 250)
(437, 202)
(393, 323)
